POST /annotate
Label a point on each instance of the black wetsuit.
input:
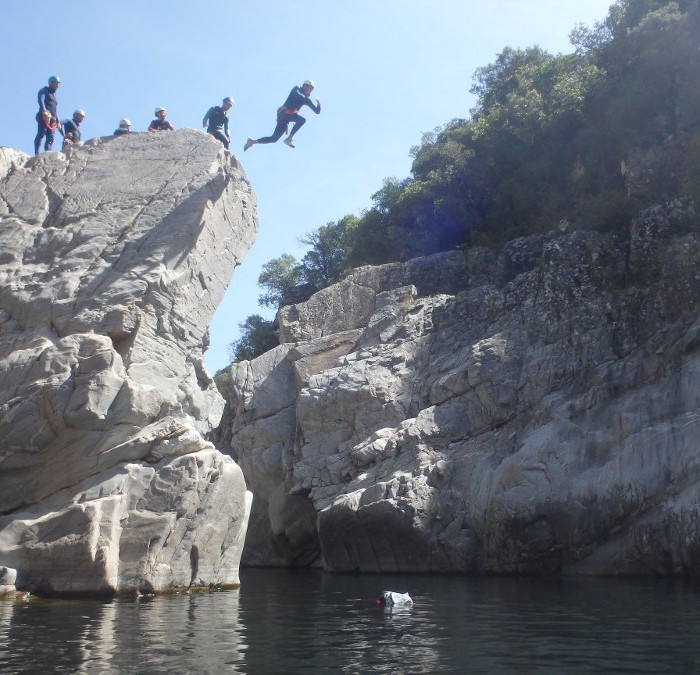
(71, 132)
(289, 112)
(47, 103)
(216, 120)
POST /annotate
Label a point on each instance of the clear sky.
(385, 71)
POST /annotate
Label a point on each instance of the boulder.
(115, 255)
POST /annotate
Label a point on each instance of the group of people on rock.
(215, 120)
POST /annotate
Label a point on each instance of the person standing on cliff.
(160, 123)
(289, 112)
(47, 117)
(71, 128)
(216, 121)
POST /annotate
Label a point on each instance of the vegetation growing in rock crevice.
(589, 139)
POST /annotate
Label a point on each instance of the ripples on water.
(283, 621)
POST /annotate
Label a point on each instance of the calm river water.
(283, 621)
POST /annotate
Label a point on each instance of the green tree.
(258, 335)
(327, 260)
(277, 278)
(448, 189)
(531, 107)
(224, 383)
(370, 244)
(637, 144)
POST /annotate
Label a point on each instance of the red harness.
(51, 122)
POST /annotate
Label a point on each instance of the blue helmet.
(54, 79)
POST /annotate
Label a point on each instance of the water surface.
(286, 621)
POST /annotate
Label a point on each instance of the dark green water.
(308, 622)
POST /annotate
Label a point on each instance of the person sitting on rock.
(160, 123)
(71, 128)
(124, 127)
(47, 117)
(289, 112)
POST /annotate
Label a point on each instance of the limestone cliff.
(533, 410)
(113, 257)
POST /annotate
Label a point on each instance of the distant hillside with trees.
(584, 141)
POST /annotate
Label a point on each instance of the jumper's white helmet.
(124, 122)
(78, 111)
(159, 109)
(309, 83)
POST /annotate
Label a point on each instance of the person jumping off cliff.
(216, 121)
(289, 112)
(47, 117)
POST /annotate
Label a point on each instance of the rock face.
(113, 257)
(529, 411)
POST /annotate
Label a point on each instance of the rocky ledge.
(113, 258)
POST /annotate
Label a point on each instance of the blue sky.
(385, 71)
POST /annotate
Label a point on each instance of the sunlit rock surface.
(113, 258)
(530, 410)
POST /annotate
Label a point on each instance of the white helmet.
(159, 109)
(309, 83)
(124, 122)
(78, 111)
(228, 99)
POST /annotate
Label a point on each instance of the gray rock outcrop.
(113, 258)
(529, 411)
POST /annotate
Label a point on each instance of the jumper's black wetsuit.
(217, 124)
(289, 112)
(47, 103)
